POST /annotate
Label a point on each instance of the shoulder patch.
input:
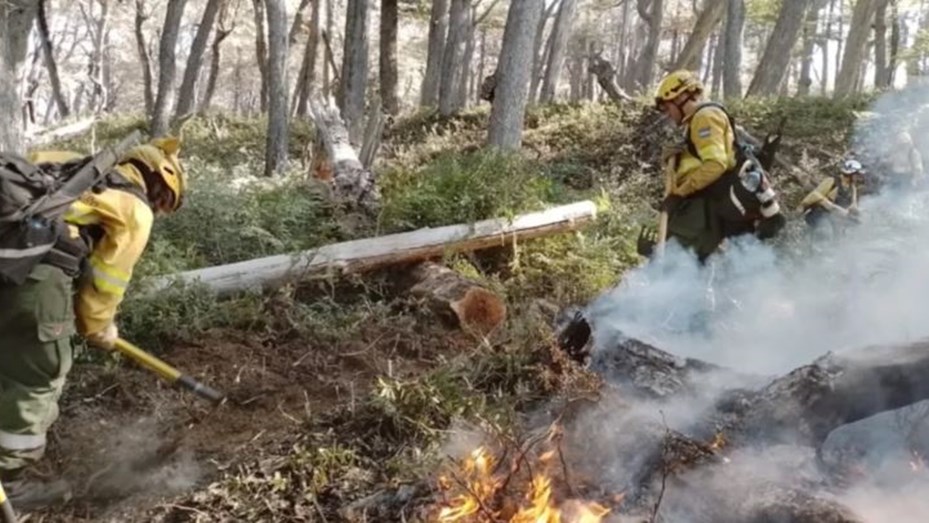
(704, 132)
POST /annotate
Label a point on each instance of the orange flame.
(480, 485)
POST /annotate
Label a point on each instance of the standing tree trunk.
(237, 87)
(185, 99)
(144, 59)
(481, 63)
(388, 57)
(855, 43)
(776, 56)
(710, 16)
(354, 69)
(297, 26)
(718, 53)
(839, 34)
(809, 44)
(539, 55)
(894, 43)
(827, 36)
(438, 29)
(276, 145)
(512, 76)
(881, 70)
(732, 49)
(329, 72)
(222, 32)
(167, 68)
(558, 49)
(261, 50)
(653, 18)
(308, 67)
(451, 60)
(16, 18)
(97, 68)
(49, 53)
(465, 74)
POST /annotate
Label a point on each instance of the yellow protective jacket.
(828, 190)
(124, 223)
(713, 139)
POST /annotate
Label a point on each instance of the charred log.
(806, 405)
(705, 458)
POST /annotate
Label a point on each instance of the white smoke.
(755, 310)
(760, 310)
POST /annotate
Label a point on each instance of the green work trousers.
(696, 226)
(36, 324)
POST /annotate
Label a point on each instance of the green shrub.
(462, 188)
(183, 312)
(222, 223)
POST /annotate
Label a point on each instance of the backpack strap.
(115, 180)
(691, 148)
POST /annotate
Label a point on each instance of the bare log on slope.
(352, 183)
(60, 132)
(461, 301)
(373, 253)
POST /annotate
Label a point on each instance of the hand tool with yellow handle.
(7, 515)
(167, 372)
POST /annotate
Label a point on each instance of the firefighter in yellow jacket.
(109, 226)
(835, 197)
(707, 154)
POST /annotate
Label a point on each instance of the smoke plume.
(763, 310)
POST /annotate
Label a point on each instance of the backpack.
(33, 199)
(743, 193)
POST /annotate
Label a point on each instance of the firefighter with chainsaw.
(834, 202)
(78, 283)
(716, 187)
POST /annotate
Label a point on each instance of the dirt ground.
(129, 444)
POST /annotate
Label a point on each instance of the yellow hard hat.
(160, 155)
(675, 84)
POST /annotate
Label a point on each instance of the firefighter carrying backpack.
(744, 193)
(33, 199)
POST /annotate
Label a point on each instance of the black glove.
(769, 227)
(671, 202)
(645, 244)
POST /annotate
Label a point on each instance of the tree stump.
(353, 184)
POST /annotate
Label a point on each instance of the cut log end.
(461, 301)
(479, 309)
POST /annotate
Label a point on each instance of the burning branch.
(488, 498)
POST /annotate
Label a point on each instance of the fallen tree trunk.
(741, 427)
(372, 253)
(352, 183)
(372, 137)
(802, 407)
(61, 132)
(463, 302)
